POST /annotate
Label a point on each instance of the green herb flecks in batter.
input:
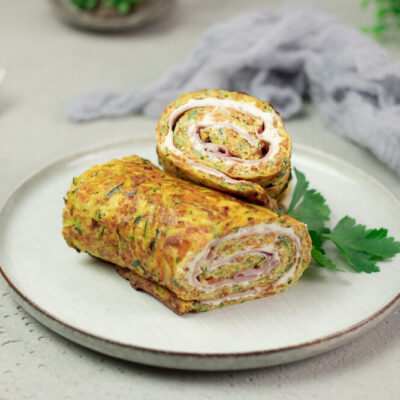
(136, 264)
(114, 190)
(215, 232)
(131, 194)
(146, 228)
(192, 114)
(154, 241)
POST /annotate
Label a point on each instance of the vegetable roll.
(228, 141)
(191, 247)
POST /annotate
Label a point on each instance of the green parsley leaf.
(309, 206)
(318, 255)
(312, 209)
(359, 261)
(316, 239)
(350, 235)
(301, 186)
(361, 247)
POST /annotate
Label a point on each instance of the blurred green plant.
(88, 5)
(122, 6)
(387, 15)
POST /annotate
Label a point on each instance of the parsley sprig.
(362, 248)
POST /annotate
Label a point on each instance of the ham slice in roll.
(228, 141)
(191, 247)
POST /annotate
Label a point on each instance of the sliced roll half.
(228, 141)
(193, 248)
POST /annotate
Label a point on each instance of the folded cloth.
(283, 57)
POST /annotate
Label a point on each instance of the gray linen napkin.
(283, 57)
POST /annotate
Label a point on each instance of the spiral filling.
(265, 137)
(212, 270)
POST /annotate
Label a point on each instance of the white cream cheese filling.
(268, 135)
(270, 253)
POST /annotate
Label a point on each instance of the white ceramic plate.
(86, 301)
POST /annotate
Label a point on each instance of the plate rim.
(32, 308)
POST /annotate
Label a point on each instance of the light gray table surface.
(48, 63)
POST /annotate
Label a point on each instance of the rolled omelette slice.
(193, 248)
(228, 141)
